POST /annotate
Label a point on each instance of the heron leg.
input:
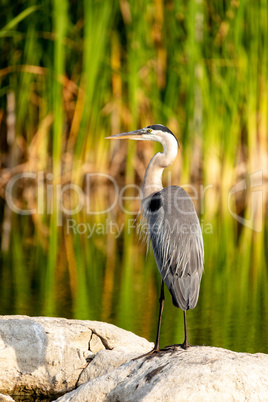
(161, 307)
(185, 344)
(156, 347)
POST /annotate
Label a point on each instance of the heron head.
(156, 132)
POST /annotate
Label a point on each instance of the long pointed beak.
(133, 135)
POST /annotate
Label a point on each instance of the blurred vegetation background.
(73, 72)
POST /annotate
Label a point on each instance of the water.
(113, 280)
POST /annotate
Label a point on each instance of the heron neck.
(153, 176)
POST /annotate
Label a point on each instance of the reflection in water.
(110, 278)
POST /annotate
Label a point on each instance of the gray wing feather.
(177, 243)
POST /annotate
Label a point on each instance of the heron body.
(173, 226)
(177, 244)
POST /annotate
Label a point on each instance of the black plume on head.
(160, 127)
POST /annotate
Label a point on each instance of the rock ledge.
(52, 356)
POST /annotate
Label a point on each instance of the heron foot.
(169, 348)
(184, 345)
(151, 353)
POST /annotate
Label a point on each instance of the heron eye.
(149, 130)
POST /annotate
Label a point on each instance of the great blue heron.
(173, 225)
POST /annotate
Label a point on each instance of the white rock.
(96, 344)
(50, 356)
(105, 362)
(113, 336)
(46, 356)
(6, 398)
(198, 374)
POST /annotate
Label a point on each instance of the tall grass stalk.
(60, 20)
